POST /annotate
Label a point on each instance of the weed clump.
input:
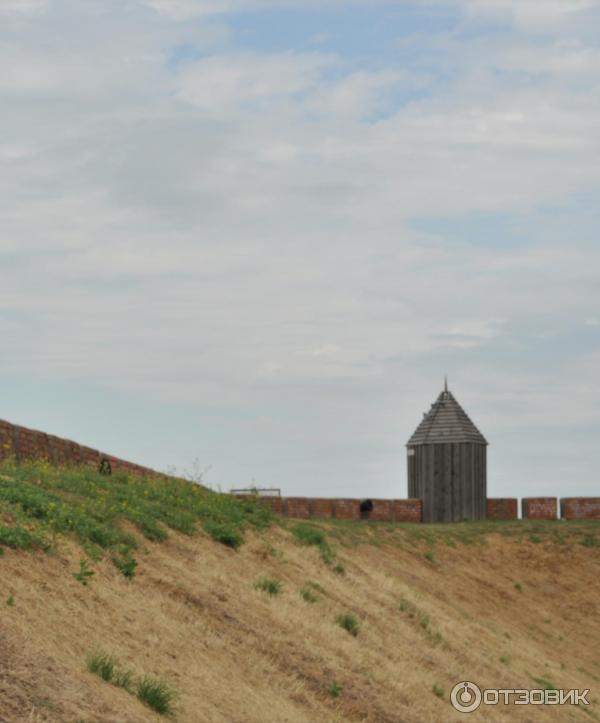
(437, 690)
(84, 573)
(308, 595)
(349, 623)
(102, 665)
(272, 587)
(153, 692)
(334, 689)
(156, 694)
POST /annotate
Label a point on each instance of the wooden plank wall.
(451, 480)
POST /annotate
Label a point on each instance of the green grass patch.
(84, 573)
(545, 684)
(272, 587)
(437, 690)
(349, 623)
(590, 540)
(308, 595)
(306, 534)
(153, 692)
(40, 502)
(102, 665)
(334, 689)
(156, 694)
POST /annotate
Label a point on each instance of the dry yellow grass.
(236, 655)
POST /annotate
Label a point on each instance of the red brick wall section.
(383, 511)
(407, 510)
(580, 508)
(346, 509)
(321, 507)
(539, 508)
(503, 508)
(29, 444)
(297, 507)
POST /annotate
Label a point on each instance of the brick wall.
(383, 511)
(297, 507)
(321, 507)
(29, 444)
(407, 510)
(580, 508)
(503, 508)
(346, 509)
(539, 508)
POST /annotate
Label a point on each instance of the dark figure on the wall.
(366, 506)
(105, 467)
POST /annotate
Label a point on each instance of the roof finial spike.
(446, 384)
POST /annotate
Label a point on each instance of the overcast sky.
(258, 233)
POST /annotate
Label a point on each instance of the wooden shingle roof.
(446, 421)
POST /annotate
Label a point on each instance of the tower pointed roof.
(446, 421)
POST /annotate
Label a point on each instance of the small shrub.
(10, 601)
(156, 694)
(518, 587)
(429, 556)
(339, 568)
(504, 660)
(308, 595)
(334, 689)
(590, 540)
(272, 587)
(84, 573)
(536, 539)
(102, 665)
(437, 690)
(349, 622)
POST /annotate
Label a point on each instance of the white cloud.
(227, 83)
(22, 7)
(532, 15)
(237, 229)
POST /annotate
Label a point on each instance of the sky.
(251, 237)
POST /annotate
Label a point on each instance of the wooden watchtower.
(447, 463)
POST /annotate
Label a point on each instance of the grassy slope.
(500, 604)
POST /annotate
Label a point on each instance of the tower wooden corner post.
(447, 463)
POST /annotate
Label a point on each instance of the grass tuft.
(84, 573)
(308, 595)
(102, 665)
(437, 690)
(334, 689)
(349, 622)
(156, 694)
(272, 587)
